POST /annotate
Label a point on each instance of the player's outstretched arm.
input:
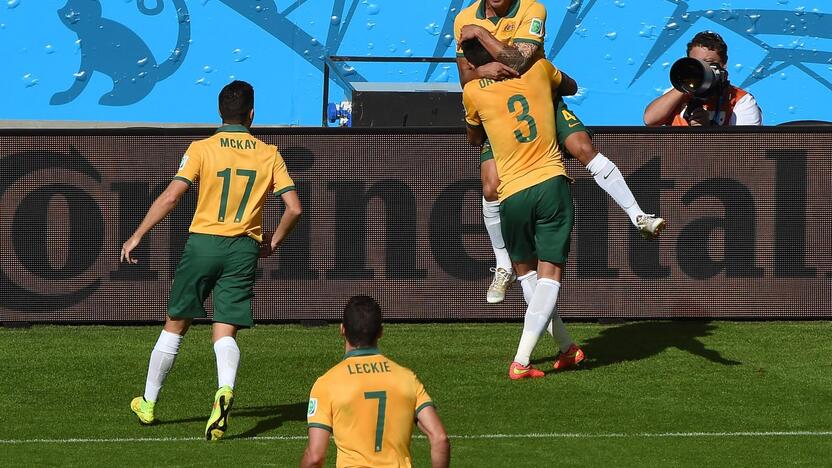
(440, 447)
(290, 218)
(315, 454)
(160, 208)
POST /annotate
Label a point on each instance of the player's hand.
(265, 245)
(127, 248)
(497, 71)
(700, 118)
(268, 248)
(470, 31)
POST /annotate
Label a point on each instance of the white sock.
(609, 178)
(161, 361)
(563, 339)
(557, 329)
(537, 316)
(491, 218)
(528, 282)
(228, 359)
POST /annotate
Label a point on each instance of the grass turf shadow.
(268, 417)
(641, 340)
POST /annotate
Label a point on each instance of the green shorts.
(537, 222)
(225, 265)
(566, 123)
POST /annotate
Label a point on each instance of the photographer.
(710, 100)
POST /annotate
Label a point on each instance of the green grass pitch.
(651, 394)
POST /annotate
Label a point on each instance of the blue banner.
(166, 60)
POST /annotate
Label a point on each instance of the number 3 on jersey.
(225, 175)
(523, 116)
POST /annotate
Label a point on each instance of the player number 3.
(523, 117)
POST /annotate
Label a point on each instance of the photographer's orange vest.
(726, 109)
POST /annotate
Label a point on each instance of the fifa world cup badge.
(536, 27)
(313, 407)
(183, 162)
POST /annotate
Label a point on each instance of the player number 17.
(225, 175)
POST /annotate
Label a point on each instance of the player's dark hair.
(475, 53)
(712, 41)
(362, 321)
(236, 102)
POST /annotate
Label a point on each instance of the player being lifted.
(513, 32)
(369, 403)
(535, 200)
(235, 173)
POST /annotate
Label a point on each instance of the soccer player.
(535, 200)
(235, 172)
(369, 403)
(513, 32)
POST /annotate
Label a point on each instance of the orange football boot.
(518, 371)
(571, 358)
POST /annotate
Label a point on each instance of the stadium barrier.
(397, 214)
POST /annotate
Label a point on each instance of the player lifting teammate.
(535, 200)
(513, 32)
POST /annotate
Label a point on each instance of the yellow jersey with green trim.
(525, 21)
(519, 118)
(369, 404)
(235, 172)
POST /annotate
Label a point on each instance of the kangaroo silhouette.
(115, 50)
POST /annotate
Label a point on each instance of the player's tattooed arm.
(519, 56)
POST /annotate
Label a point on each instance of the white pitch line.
(551, 435)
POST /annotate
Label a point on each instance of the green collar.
(233, 128)
(362, 352)
(512, 12)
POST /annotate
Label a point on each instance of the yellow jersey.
(524, 22)
(519, 118)
(235, 172)
(369, 404)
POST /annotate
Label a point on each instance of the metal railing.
(329, 61)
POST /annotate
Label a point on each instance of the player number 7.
(382, 406)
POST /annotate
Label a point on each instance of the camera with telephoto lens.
(699, 79)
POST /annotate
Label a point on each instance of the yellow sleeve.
(532, 27)
(552, 74)
(319, 412)
(280, 177)
(423, 400)
(472, 116)
(190, 165)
